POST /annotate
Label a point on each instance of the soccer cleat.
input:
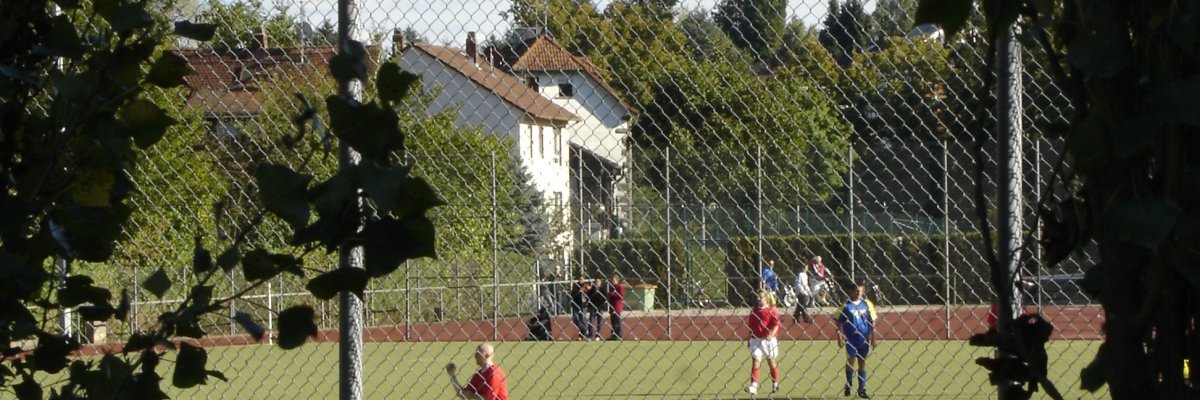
(862, 394)
(775, 388)
(846, 391)
(753, 388)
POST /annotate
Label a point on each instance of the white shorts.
(764, 348)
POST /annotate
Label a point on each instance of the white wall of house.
(601, 114)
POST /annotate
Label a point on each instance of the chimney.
(472, 49)
(260, 39)
(397, 40)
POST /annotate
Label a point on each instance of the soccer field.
(932, 369)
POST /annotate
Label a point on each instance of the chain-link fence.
(681, 146)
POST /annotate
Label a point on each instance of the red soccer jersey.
(616, 297)
(490, 383)
(762, 320)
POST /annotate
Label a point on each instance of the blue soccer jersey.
(857, 320)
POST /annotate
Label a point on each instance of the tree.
(567, 20)
(77, 113)
(704, 37)
(532, 215)
(891, 18)
(238, 22)
(753, 25)
(844, 30)
(1128, 183)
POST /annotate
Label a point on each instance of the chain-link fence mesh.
(681, 146)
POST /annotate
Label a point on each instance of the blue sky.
(448, 21)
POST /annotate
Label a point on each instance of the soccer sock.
(862, 380)
(775, 374)
(753, 375)
(849, 377)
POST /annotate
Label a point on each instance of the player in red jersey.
(764, 326)
(487, 384)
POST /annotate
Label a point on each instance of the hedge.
(635, 260)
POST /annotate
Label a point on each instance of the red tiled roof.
(229, 82)
(499, 82)
(543, 53)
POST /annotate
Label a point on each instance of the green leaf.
(91, 232)
(63, 40)
(189, 366)
(96, 313)
(951, 15)
(282, 193)
(18, 279)
(1102, 54)
(388, 242)
(1134, 134)
(350, 62)
(332, 196)
(1187, 247)
(258, 265)
(23, 75)
(329, 284)
(147, 122)
(288, 263)
(201, 259)
(201, 32)
(416, 197)
(168, 71)
(68, 4)
(1178, 100)
(122, 311)
(138, 342)
(127, 17)
(383, 184)
(393, 84)
(1000, 14)
(51, 352)
(28, 389)
(1090, 147)
(201, 296)
(158, 283)
(1096, 373)
(1144, 221)
(247, 323)
(229, 258)
(79, 290)
(296, 326)
(368, 128)
(218, 375)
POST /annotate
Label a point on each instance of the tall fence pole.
(495, 259)
(350, 323)
(759, 219)
(668, 195)
(946, 230)
(1008, 178)
(850, 205)
(407, 302)
(64, 270)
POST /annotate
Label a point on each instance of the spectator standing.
(770, 279)
(546, 291)
(540, 327)
(488, 383)
(803, 295)
(579, 306)
(616, 301)
(598, 304)
(821, 277)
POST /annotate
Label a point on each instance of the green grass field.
(643, 370)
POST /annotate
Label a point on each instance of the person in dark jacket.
(598, 305)
(539, 326)
(616, 301)
(579, 305)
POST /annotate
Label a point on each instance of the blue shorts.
(858, 348)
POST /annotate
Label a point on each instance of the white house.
(487, 97)
(599, 157)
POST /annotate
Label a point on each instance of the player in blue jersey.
(856, 330)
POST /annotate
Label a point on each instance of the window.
(557, 145)
(542, 141)
(558, 205)
(566, 90)
(531, 141)
(531, 82)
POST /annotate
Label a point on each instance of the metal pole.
(495, 259)
(670, 320)
(1008, 178)
(758, 201)
(1037, 179)
(851, 208)
(64, 270)
(407, 301)
(270, 312)
(946, 228)
(350, 324)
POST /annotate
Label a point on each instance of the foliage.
(1129, 182)
(635, 260)
(634, 64)
(238, 22)
(714, 117)
(704, 37)
(566, 20)
(845, 30)
(77, 114)
(756, 26)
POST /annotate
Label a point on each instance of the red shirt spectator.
(489, 383)
(616, 296)
(762, 320)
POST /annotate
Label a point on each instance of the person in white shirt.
(803, 294)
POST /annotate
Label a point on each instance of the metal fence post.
(1008, 178)
(350, 326)
(495, 259)
(947, 280)
(670, 320)
(850, 206)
